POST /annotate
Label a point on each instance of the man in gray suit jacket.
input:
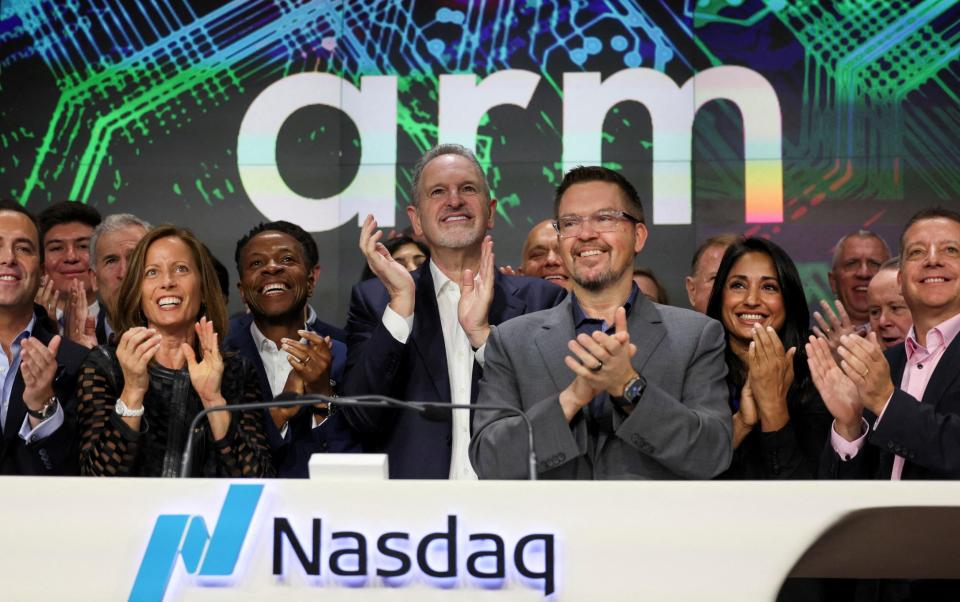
(641, 393)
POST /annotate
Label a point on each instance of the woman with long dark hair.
(780, 424)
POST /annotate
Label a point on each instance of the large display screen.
(799, 121)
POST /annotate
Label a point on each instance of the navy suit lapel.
(427, 336)
(505, 304)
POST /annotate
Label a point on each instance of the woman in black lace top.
(136, 400)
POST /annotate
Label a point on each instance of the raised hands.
(476, 294)
(865, 365)
(311, 362)
(136, 348)
(601, 363)
(771, 373)
(50, 298)
(38, 365)
(78, 325)
(206, 374)
(392, 274)
(834, 326)
(838, 391)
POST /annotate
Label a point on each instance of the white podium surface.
(117, 539)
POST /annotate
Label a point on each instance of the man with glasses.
(640, 392)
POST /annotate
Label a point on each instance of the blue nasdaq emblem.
(203, 554)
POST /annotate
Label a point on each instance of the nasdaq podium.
(153, 539)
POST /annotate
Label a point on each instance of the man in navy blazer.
(420, 336)
(294, 351)
(38, 369)
(897, 413)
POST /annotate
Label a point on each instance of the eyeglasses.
(569, 226)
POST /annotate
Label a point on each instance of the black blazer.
(58, 453)
(291, 455)
(926, 434)
(377, 364)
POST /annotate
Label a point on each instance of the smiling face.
(452, 211)
(410, 256)
(66, 256)
(19, 261)
(752, 295)
(112, 253)
(596, 260)
(275, 280)
(857, 262)
(890, 317)
(171, 292)
(930, 271)
(541, 256)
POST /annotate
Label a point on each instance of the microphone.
(284, 400)
(436, 411)
(430, 410)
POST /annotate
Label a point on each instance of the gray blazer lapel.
(646, 331)
(551, 341)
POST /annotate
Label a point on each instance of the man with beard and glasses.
(420, 336)
(641, 392)
(294, 352)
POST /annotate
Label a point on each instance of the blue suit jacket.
(292, 453)
(58, 453)
(378, 364)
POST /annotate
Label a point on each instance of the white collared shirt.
(460, 358)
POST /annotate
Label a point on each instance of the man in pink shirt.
(897, 414)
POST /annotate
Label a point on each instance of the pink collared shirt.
(921, 362)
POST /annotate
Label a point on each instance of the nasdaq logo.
(187, 537)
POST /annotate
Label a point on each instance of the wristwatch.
(47, 410)
(122, 410)
(631, 393)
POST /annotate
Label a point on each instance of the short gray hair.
(111, 223)
(437, 151)
(858, 234)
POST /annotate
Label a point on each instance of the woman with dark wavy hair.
(137, 399)
(780, 424)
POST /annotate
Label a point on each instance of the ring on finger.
(305, 360)
(597, 368)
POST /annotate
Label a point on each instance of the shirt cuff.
(44, 429)
(398, 326)
(847, 450)
(478, 354)
(880, 415)
(284, 430)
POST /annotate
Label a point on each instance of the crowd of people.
(115, 335)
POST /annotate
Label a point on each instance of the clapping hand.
(476, 294)
(838, 392)
(771, 373)
(392, 274)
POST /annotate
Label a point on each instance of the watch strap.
(47, 410)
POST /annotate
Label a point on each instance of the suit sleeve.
(920, 434)
(373, 364)
(56, 454)
(499, 447)
(691, 436)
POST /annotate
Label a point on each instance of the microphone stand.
(431, 410)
